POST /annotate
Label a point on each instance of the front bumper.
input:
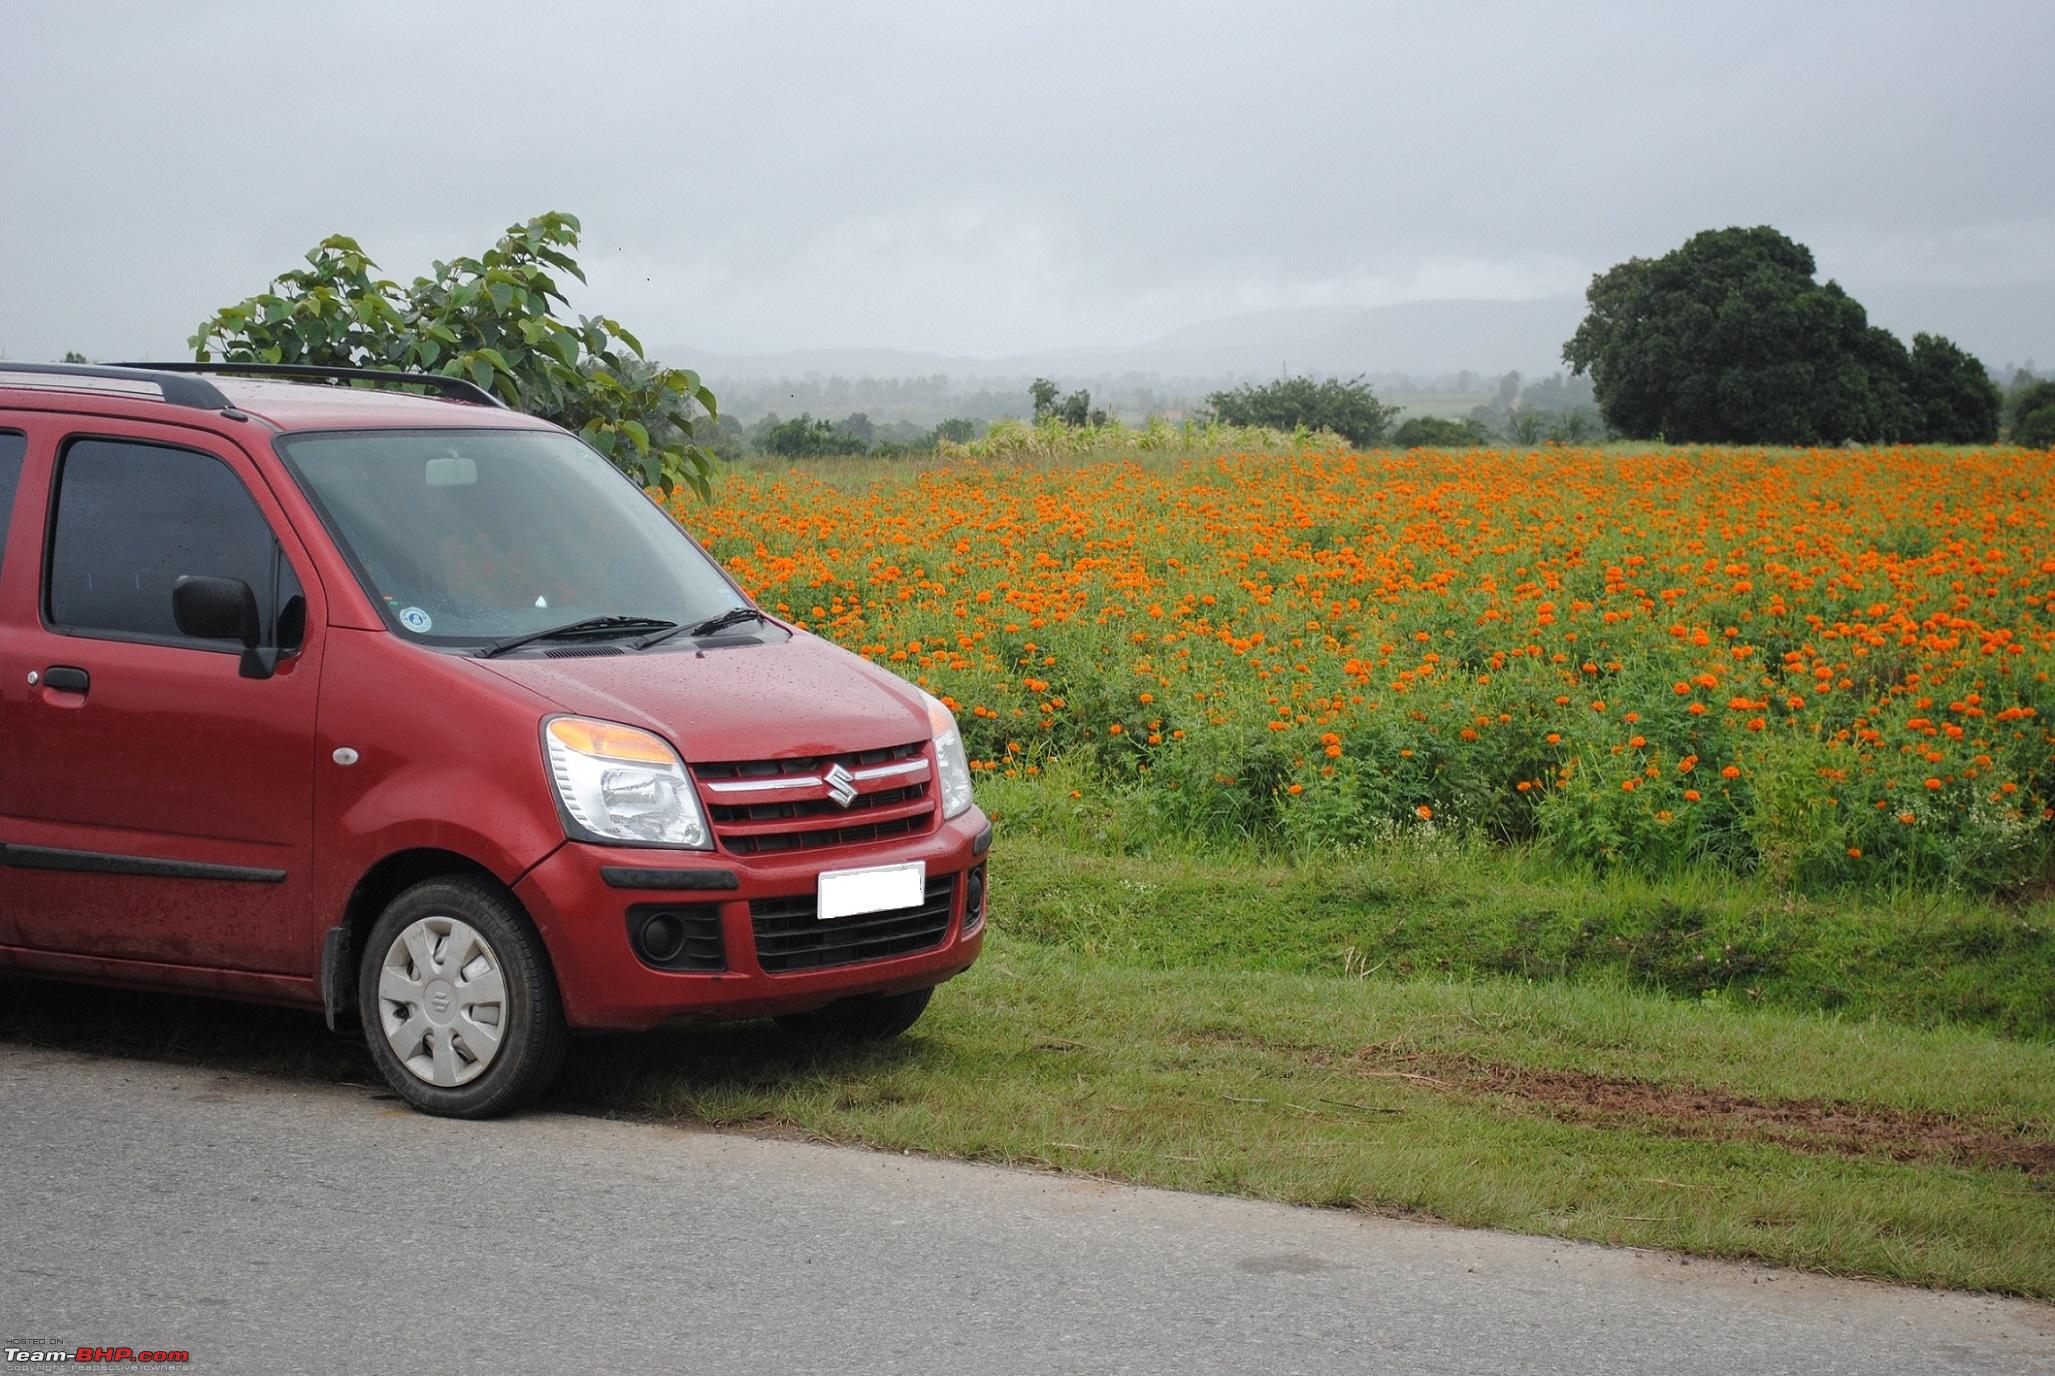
(579, 896)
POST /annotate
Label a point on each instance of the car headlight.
(620, 783)
(949, 757)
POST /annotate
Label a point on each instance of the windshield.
(469, 536)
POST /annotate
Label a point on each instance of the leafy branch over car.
(500, 320)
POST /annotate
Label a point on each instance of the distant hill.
(1420, 337)
(2004, 326)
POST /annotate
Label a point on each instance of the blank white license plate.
(879, 889)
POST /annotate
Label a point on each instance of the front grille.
(783, 769)
(762, 807)
(818, 807)
(789, 936)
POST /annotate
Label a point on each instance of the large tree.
(494, 319)
(1730, 338)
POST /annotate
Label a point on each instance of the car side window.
(13, 445)
(133, 518)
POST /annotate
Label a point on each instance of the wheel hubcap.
(442, 1001)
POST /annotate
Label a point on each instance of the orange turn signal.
(608, 740)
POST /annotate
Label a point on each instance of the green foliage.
(1347, 407)
(2036, 429)
(1559, 409)
(74, 356)
(957, 431)
(803, 437)
(1437, 432)
(1054, 438)
(1730, 339)
(1953, 398)
(1426, 900)
(495, 320)
(2033, 416)
(1042, 392)
(1073, 410)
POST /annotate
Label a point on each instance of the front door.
(154, 803)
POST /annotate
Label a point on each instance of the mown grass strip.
(1455, 908)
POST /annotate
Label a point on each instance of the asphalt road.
(273, 1225)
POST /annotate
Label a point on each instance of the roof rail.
(178, 390)
(455, 388)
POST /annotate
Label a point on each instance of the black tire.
(532, 1036)
(875, 1019)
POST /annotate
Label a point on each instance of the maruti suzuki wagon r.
(412, 708)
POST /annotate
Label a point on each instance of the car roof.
(324, 406)
(284, 406)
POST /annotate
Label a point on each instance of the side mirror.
(223, 609)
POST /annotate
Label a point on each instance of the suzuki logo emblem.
(841, 784)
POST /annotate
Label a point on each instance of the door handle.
(66, 679)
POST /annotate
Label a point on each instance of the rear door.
(154, 804)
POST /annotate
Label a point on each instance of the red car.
(412, 706)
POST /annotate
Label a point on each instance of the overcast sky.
(989, 178)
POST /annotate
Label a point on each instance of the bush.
(1055, 438)
(803, 437)
(1348, 408)
(1436, 432)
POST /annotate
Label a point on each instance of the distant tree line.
(805, 436)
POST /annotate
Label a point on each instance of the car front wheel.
(458, 1002)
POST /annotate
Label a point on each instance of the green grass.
(1088, 876)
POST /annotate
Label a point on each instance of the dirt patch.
(1816, 1125)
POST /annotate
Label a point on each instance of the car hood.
(754, 701)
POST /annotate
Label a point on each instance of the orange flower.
(1424, 812)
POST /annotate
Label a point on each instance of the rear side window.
(131, 520)
(12, 447)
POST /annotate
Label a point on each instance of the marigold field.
(1827, 667)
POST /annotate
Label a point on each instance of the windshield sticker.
(416, 620)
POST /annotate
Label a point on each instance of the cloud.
(992, 179)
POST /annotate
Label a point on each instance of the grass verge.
(1086, 876)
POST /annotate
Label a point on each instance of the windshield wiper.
(591, 625)
(731, 617)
